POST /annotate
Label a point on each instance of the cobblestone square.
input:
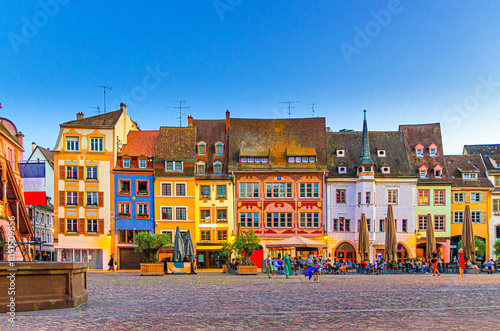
(127, 301)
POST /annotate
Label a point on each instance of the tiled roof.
(47, 153)
(490, 154)
(175, 144)
(212, 132)
(140, 143)
(275, 136)
(106, 119)
(466, 163)
(393, 142)
(425, 134)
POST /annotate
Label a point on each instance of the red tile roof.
(140, 143)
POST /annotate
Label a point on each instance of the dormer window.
(386, 170)
(312, 159)
(340, 152)
(381, 152)
(173, 166)
(438, 171)
(142, 163)
(219, 148)
(243, 160)
(433, 150)
(305, 159)
(257, 160)
(298, 159)
(291, 159)
(251, 160)
(469, 176)
(217, 168)
(419, 150)
(202, 148)
(126, 163)
(342, 170)
(422, 171)
(263, 160)
(200, 168)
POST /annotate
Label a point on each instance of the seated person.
(490, 266)
(471, 265)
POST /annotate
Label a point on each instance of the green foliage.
(496, 248)
(481, 246)
(225, 252)
(150, 243)
(246, 243)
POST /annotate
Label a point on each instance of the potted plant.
(149, 244)
(225, 252)
(246, 244)
(143, 215)
(496, 248)
(123, 214)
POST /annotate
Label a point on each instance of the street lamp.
(418, 235)
(232, 236)
(109, 234)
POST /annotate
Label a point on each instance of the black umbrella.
(178, 247)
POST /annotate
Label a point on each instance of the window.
(458, 217)
(475, 197)
(166, 189)
(166, 213)
(205, 235)
(180, 213)
(312, 159)
(72, 144)
(142, 163)
(368, 222)
(420, 152)
(476, 216)
(439, 223)
(459, 197)
(72, 198)
(386, 170)
(381, 152)
(423, 174)
(392, 197)
(92, 199)
(173, 165)
(180, 189)
(496, 205)
(200, 169)
(438, 173)
(298, 159)
(497, 181)
(249, 220)
(124, 186)
(291, 159)
(221, 191)
(342, 170)
(72, 225)
(205, 191)
(178, 166)
(96, 144)
(221, 215)
(72, 172)
(91, 173)
(202, 149)
(91, 226)
(222, 235)
(309, 190)
(205, 214)
(249, 190)
(251, 160)
(340, 152)
(341, 196)
(422, 223)
(309, 220)
(217, 168)
(404, 225)
(423, 197)
(264, 160)
(341, 225)
(381, 226)
(368, 198)
(126, 163)
(279, 220)
(243, 160)
(433, 152)
(142, 210)
(468, 176)
(439, 197)
(305, 159)
(123, 209)
(359, 198)
(498, 232)
(142, 187)
(219, 149)
(281, 190)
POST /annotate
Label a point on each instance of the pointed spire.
(365, 145)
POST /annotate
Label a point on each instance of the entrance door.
(130, 260)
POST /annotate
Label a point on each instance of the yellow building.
(214, 191)
(175, 183)
(470, 186)
(84, 157)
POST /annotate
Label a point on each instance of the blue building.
(134, 195)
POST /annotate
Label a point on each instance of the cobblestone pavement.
(127, 301)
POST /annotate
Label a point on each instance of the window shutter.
(467, 197)
(62, 225)
(80, 199)
(80, 173)
(81, 225)
(62, 198)
(100, 226)
(485, 217)
(101, 199)
(62, 172)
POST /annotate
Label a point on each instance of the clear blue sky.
(414, 65)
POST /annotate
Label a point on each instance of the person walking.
(434, 261)
(461, 262)
(269, 265)
(111, 263)
(287, 265)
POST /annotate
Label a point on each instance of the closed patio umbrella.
(189, 250)
(364, 240)
(178, 247)
(468, 242)
(430, 237)
(390, 253)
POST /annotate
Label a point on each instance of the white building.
(367, 172)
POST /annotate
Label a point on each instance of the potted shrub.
(149, 244)
(226, 252)
(246, 244)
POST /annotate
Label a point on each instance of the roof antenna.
(98, 109)
(180, 107)
(312, 107)
(289, 107)
(104, 89)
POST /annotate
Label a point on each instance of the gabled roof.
(425, 134)
(212, 132)
(488, 152)
(106, 119)
(393, 141)
(140, 143)
(275, 136)
(176, 144)
(458, 164)
(47, 154)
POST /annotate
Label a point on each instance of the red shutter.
(81, 225)
(62, 198)
(101, 199)
(62, 225)
(62, 170)
(80, 199)
(100, 226)
(80, 173)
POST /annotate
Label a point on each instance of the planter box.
(224, 269)
(44, 285)
(247, 270)
(152, 269)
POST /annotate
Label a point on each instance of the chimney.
(33, 147)
(20, 136)
(227, 122)
(123, 106)
(79, 116)
(190, 120)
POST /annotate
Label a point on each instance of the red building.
(279, 168)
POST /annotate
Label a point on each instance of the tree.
(150, 243)
(225, 252)
(246, 244)
(496, 247)
(480, 245)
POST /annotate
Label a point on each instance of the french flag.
(33, 179)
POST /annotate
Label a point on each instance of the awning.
(296, 241)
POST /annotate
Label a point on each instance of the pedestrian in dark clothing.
(111, 263)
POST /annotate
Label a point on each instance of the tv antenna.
(179, 108)
(312, 107)
(104, 88)
(98, 109)
(290, 107)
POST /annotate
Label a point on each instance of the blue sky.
(404, 61)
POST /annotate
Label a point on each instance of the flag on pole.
(33, 179)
